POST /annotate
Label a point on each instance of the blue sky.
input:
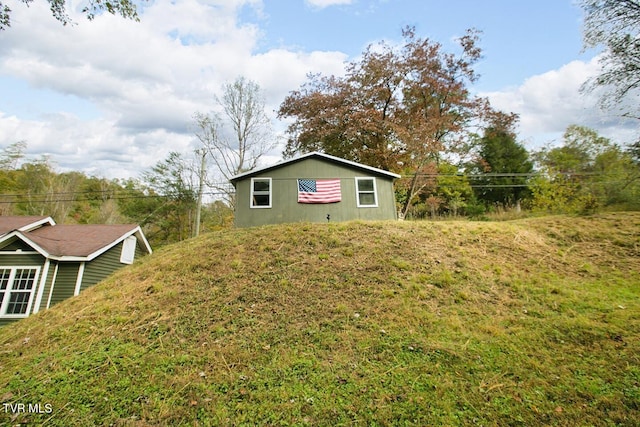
(113, 97)
(520, 38)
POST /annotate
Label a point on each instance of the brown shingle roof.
(9, 223)
(77, 240)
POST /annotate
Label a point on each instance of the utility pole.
(201, 176)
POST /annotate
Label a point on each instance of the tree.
(634, 152)
(502, 167)
(217, 215)
(124, 8)
(453, 188)
(173, 212)
(446, 190)
(34, 188)
(140, 203)
(163, 203)
(250, 137)
(615, 25)
(397, 108)
(11, 156)
(97, 202)
(587, 171)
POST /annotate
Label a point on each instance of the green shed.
(314, 187)
(42, 263)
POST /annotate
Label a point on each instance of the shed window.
(17, 287)
(128, 250)
(366, 196)
(260, 192)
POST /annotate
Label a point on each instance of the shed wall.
(285, 207)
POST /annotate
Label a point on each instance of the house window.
(260, 192)
(17, 287)
(128, 250)
(366, 193)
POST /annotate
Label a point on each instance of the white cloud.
(549, 102)
(95, 147)
(321, 4)
(145, 78)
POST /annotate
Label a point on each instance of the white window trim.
(270, 193)
(76, 291)
(375, 192)
(5, 300)
(53, 283)
(43, 282)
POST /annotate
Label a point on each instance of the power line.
(96, 192)
(74, 196)
(48, 199)
(117, 194)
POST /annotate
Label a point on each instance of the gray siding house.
(42, 263)
(314, 187)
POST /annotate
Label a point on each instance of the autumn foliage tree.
(396, 108)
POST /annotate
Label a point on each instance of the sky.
(112, 97)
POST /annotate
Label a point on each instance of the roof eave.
(20, 235)
(243, 175)
(138, 234)
(37, 224)
(59, 257)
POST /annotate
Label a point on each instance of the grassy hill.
(527, 322)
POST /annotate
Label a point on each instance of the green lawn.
(528, 322)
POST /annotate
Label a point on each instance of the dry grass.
(528, 322)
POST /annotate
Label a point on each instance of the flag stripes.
(319, 191)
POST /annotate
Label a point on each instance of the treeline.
(163, 200)
(409, 108)
(584, 174)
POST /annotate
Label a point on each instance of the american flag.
(319, 191)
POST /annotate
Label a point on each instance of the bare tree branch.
(244, 112)
(615, 26)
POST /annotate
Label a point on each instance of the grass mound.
(529, 322)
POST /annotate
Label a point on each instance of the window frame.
(252, 193)
(374, 192)
(6, 298)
